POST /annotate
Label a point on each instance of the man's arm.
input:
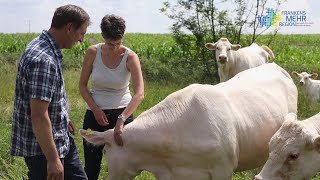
(42, 129)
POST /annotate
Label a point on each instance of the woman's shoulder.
(132, 55)
(130, 52)
(125, 48)
(133, 58)
(93, 48)
(91, 53)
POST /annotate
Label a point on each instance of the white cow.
(232, 60)
(311, 87)
(204, 132)
(294, 150)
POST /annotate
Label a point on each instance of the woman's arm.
(83, 85)
(133, 65)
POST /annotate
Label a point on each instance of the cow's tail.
(269, 51)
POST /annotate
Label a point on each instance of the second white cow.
(232, 59)
(294, 150)
(204, 132)
(311, 87)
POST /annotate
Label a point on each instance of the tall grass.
(159, 57)
(164, 60)
(10, 167)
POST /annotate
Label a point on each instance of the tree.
(207, 23)
(199, 18)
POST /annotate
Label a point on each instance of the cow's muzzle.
(222, 59)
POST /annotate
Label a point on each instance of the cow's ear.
(211, 46)
(235, 47)
(316, 144)
(291, 117)
(294, 73)
(97, 138)
(314, 75)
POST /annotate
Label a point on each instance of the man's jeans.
(73, 169)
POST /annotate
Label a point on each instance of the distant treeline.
(163, 59)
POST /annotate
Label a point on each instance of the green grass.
(14, 168)
(294, 52)
(10, 167)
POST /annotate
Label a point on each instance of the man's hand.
(118, 133)
(71, 127)
(55, 170)
(42, 128)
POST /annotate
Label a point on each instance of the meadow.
(165, 68)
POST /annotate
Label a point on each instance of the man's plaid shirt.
(40, 76)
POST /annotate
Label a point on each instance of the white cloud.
(140, 15)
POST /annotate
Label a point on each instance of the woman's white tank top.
(110, 87)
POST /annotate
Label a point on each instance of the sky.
(22, 16)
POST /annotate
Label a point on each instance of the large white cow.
(204, 132)
(294, 150)
(232, 59)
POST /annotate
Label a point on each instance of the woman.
(109, 103)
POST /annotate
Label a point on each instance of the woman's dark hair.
(112, 27)
(69, 14)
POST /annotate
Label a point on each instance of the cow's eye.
(217, 48)
(229, 49)
(292, 157)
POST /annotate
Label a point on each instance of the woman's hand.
(100, 117)
(71, 126)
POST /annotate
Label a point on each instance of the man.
(40, 118)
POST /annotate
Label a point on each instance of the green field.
(166, 69)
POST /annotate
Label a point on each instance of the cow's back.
(266, 94)
(227, 125)
(249, 57)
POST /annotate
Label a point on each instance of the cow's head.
(222, 48)
(304, 77)
(294, 153)
(120, 161)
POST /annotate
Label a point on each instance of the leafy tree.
(207, 23)
(197, 17)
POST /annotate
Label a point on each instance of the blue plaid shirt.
(40, 76)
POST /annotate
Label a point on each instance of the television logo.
(285, 18)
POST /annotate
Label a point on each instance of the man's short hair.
(69, 14)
